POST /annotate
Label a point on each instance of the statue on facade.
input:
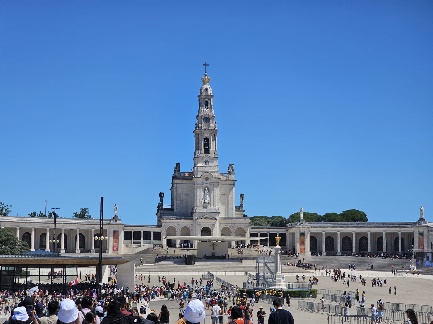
(115, 210)
(206, 196)
(301, 214)
(421, 212)
(277, 240)
(241, 200)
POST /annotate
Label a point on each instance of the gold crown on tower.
(205, 79)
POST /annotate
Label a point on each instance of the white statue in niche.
(206, 196)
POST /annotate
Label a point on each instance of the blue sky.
(326, 105)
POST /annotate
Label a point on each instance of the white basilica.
(202, 209)
(203, 200)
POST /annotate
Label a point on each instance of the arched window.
(206, 104)
(206, 146)
(346, 245)
(329, 244)
(379, 243)
(313, 245)
(43, 241)
(206, 231)
(27, 238)
(363, 245)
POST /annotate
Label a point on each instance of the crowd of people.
(81, 305)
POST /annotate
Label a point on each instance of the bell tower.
(205, 131)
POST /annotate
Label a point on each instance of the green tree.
(353, 215)
(35, 214)
(259, 221)
(83, 213)
(51, 214)
(4, 209)
(277, 221)
(331, 217)
(10, 244)
(308, 217)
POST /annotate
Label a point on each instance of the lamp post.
(54, 239)
(100, 238)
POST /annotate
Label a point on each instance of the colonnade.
(306, 240)
(72, 239)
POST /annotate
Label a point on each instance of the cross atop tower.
(205, 65)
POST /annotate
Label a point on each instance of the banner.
(302, 243)
(115, 241)
(421, 241)
(73, 282)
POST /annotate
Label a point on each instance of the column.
(121, 241)
(323, 243)
(47, 240)
(93, 241)
(338, 244)
(62, 243)
(384, 242)
(415, 239)
(354, 242)
(77, 242)
(297, 247)
(369, 241)
(399, 242)
(32, 245)
(288, 247)
(307, 243)
(110, 239)
(18, 233)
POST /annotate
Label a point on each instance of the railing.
(208, 276)
(223, 282)
(393, 312)
(28, 256)
(338, 297)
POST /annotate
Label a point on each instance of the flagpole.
(101, 235)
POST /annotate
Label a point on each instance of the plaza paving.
(411, 289)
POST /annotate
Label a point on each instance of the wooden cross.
(205, 65)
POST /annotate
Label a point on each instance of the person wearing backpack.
(86, 307)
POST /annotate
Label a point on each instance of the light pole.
(54, 239)
(100, 238)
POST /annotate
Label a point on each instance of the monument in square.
(269, 269)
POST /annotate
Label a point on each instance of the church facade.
(202, 208)
(203, 199)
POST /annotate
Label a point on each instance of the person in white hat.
(21, 316)
(194, 312)
(68, 312)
